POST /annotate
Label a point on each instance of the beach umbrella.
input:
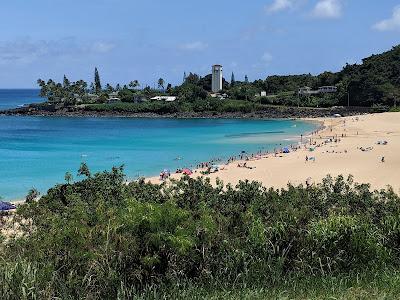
(187, 171)
(4, 206)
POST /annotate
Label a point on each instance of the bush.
(100, 237)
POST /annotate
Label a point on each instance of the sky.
(146, 40)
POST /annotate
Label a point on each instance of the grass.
(395, 109)
(380, 285)
(101, 239)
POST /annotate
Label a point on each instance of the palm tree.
(84, 170)
(109, 88)
(68, 177)
(161, 83)
(134, 84)
(43, 87)
(32, 195)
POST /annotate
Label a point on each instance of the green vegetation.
(102, 239)
(374, 83)
(160, 107)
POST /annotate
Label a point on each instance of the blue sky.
(145, 40)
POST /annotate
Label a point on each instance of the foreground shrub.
(101, 237)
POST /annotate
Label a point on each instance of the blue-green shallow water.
(37, 151)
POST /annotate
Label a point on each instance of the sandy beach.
(349, 145)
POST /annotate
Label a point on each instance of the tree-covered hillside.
(374, 82)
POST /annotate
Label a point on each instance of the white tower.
(216, 84)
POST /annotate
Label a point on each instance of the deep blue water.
(37, 151)
(14, 98)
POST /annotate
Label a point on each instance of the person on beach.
(383, 159)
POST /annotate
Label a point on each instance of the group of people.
(164, 175)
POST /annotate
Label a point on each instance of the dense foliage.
(160, 107)
(374, 82)
(100, 238)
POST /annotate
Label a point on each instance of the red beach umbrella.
(187, 172)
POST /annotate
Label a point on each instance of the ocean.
(13, 98)
(37, 151)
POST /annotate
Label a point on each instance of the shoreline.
(357, 152)
(351, 162)
(293, 140)
(267, 112)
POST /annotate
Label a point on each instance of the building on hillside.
(263, 94)
(139, 99)
(327, 89)
(113, 97)
(92, 97)
(113, 100)
(216, 82)
(305, 91)
(219, 96)
(164, 98)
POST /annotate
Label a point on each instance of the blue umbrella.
(4, 206)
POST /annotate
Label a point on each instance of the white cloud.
(194, 46)
(26, 50)
(279, 5)
(392, 23)
(327, 9)
(102, 47)
(266, 57)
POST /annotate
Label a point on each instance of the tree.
(134, 84)
(43, 87)
(91, 88)
(109, 88)
(184, 77)
(32, 195)
(192, 78)
(97, 83)
(169, 88)
(161, 83)
(68, 177)
(84, 170)
(232, 79)
(66, 82)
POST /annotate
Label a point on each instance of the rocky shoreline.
(267, 113)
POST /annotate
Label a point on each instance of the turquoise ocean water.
(37, 151)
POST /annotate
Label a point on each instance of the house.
(327, 89)
(113, 95)
(139, 98)
(263, 94)
(92, 97)
(164, 98)
(306, 91)
(321, 90)
(219, 96)
(113, 100)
